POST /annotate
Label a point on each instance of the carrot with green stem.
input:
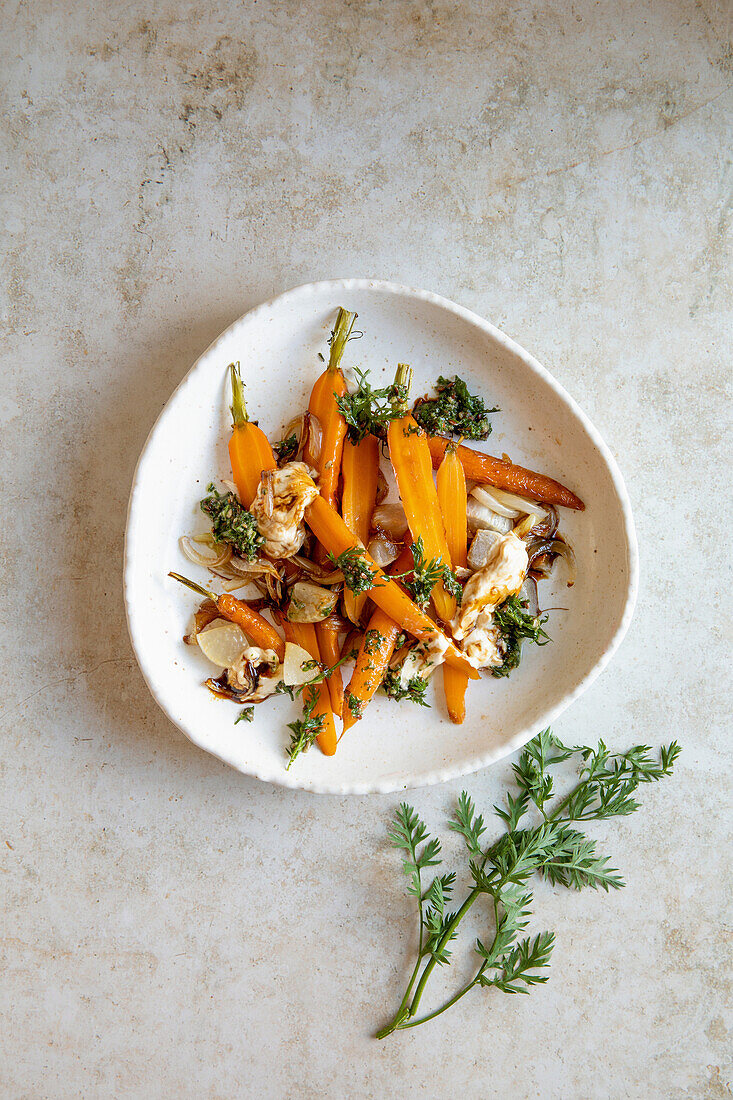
(412, 464)
(333, 534)
(257, 628)
(360, 474)
(505, 475)
(453, 503)
(249, 449)
(326, 459)
(304, 635)
(323, 405)
(375, 653)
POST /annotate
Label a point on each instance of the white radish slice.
(293, 671)
(223, 643)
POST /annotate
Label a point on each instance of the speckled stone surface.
(171, 928)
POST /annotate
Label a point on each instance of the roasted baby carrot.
(257, 628)
(505, 475)
(375, 653)
(333, 534)
(360, 472)
(452, 500)
(326, 457)
(249, 449)
(304, 635)
(327, 633)
(323, 405)
(410, 457)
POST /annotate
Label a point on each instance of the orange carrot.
(323, 405)
(452, 500)
(360, 471)
(327, 459)
(371, 664)
(505, 475)
(257, 628)
(333, 534)
(411, 461)
(304, 635)
(249, 449)
(375, 653)
(327, 633)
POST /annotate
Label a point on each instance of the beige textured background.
(169, 927)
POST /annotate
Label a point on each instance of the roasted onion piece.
(309, 603)
(390, 518)
(383, 550)
(220, 552)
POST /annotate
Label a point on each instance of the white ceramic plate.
(395, 746)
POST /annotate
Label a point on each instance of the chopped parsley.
(231, 523)
(454, 411)
(516, 625)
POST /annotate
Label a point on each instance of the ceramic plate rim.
(464, 767)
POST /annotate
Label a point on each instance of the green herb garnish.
(368, 411)
(373, 641)
(414, 691)
(305, 729)
(231, 523)
(501, 871)
(356, 568)
(354, 703)
(454, 411)
(424, 576)
(516, 624)
(245, 715)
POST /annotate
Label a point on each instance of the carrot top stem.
(194, 587)
(238, 407)
(402, 383)
(339, 336)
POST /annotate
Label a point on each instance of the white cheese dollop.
(502, 576)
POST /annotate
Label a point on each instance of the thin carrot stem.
(238, 406)
(194, 587)
(339, 337)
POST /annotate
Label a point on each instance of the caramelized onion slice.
(219, 556)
